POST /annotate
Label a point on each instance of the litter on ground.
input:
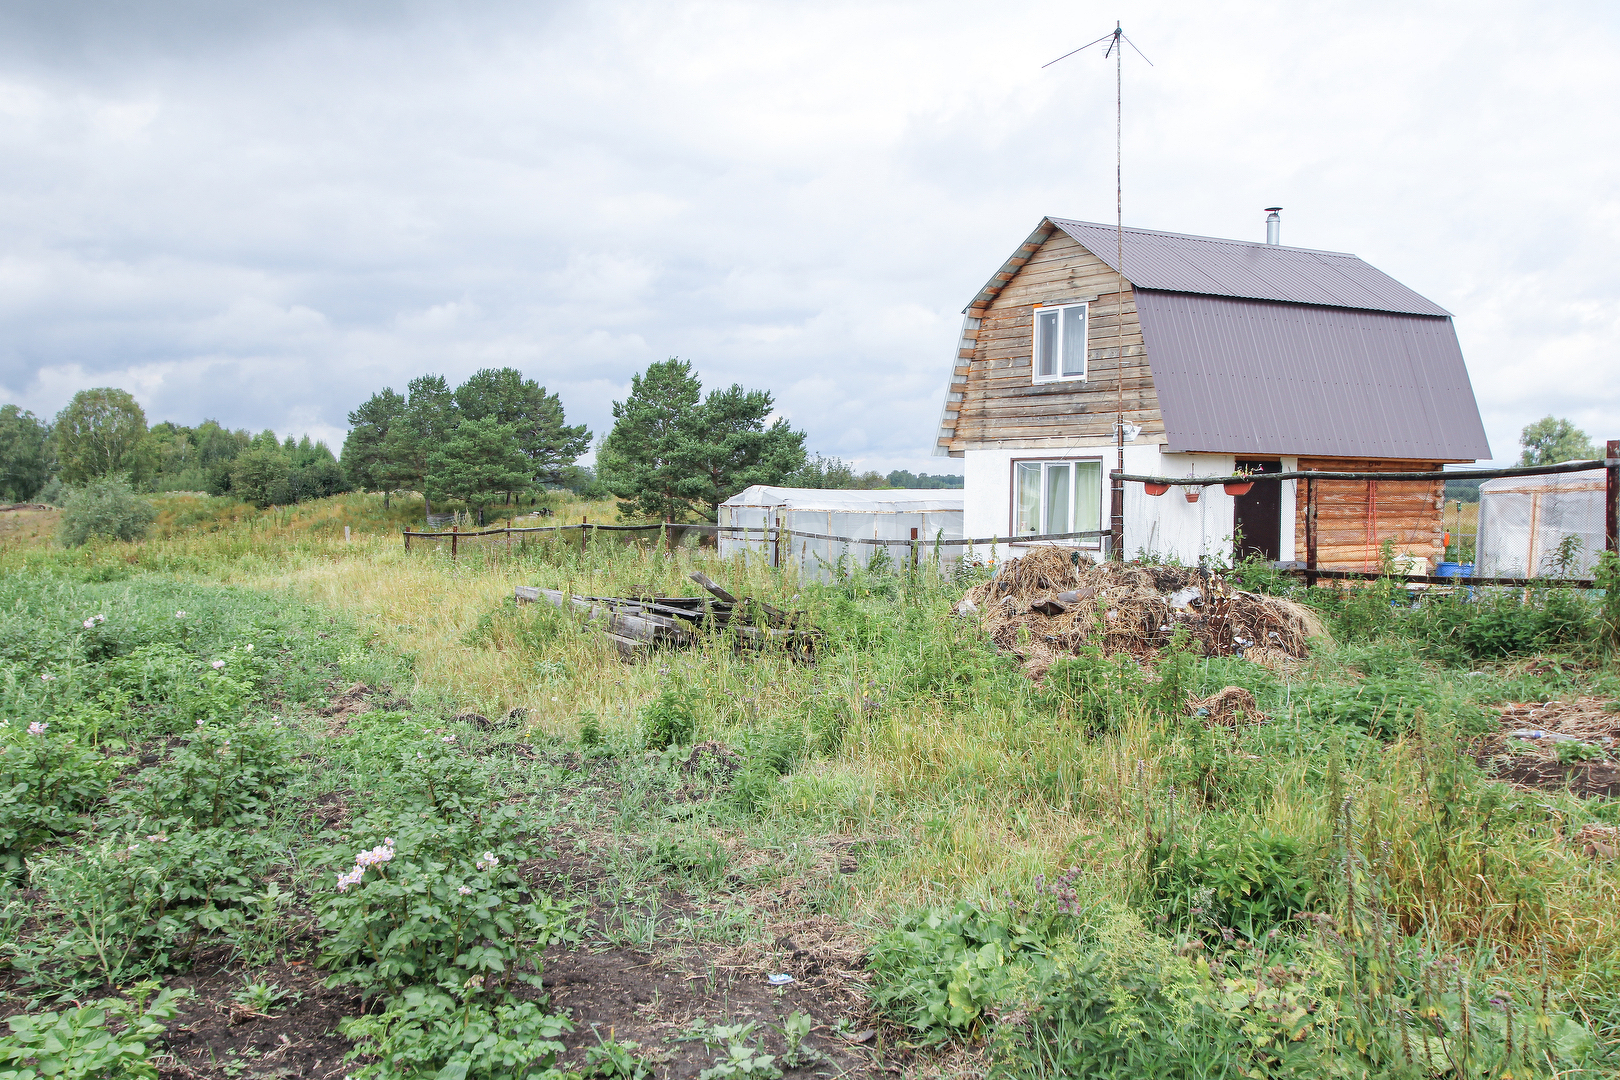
(1054, 602)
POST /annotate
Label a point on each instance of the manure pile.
(1044, 606)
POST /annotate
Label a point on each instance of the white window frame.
(1046, 525)
(1064, 326)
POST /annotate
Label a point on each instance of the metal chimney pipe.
(1273, 225)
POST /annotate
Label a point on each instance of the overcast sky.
(262, 213)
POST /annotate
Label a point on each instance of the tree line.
(103, 433)
(674, 452)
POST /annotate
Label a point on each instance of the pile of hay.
(1048, 604)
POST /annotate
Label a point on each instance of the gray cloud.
(263, 213)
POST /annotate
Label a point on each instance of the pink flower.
(351, 878)
(448, 738)
(218, 664)
(249, 646)
(37, 728)
(179, 614)
(464, 891)
(488, 861)
(89, 624)
(157, 838)
(46, 677)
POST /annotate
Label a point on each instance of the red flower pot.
(1192, 493)
(1155, 489)
(1238, 488)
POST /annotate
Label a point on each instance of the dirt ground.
(652, 996)
(1534, 762)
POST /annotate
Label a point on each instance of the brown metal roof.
(1238, 375)
(1175, 262)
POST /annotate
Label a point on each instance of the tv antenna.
(1116, 48)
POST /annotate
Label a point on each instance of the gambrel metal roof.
(1259, 376)
(1174, 262)
(1260, 348)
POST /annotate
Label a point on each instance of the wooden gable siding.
(1000, 401)
(1353, 517)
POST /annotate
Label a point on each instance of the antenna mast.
(1116, 47)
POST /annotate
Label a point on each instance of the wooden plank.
(629, 651)
(711, 588)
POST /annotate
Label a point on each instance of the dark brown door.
(1257, 516)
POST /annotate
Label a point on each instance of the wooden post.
(509, 539)
(1310, 532)
(407, 541)
(455, 531)
(1611, 515)
(914, 551)
(584, 524)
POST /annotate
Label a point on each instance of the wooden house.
(1218, 355)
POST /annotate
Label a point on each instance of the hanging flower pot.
(1155, 489)
(1192, 493)
(1237, 487)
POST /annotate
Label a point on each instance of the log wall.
(1001, 403)
(1354, 517)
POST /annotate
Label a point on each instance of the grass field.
(1066, 879)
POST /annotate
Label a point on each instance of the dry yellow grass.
(21, 529)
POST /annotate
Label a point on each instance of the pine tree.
(426, 421)
(672, 452)
(536, 419)
(479, 461)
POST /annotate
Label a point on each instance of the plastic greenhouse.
(1523, 520)
(749, 520)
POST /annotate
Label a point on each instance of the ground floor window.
(1056, 496)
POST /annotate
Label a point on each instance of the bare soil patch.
(1533, 762)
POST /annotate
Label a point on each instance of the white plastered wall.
(1164, 526)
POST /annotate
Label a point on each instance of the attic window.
(1060, 342)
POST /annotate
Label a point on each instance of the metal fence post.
(1310, 532)
(1611, 515)
(1116, 506)
(914, 551)
(776, 540)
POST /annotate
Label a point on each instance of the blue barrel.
(1449, 569)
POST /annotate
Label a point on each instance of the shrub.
(138, 901)
(436, 903)
(426, 1034)
(179, 688)
(1093, 691)
(1241, 876)
(670, 719)
(1607, 577)
(47, 779)
(260, 476)
(1097, 692)
(937, 971)
(76, 1044)
(106, 509)
(225, 774)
